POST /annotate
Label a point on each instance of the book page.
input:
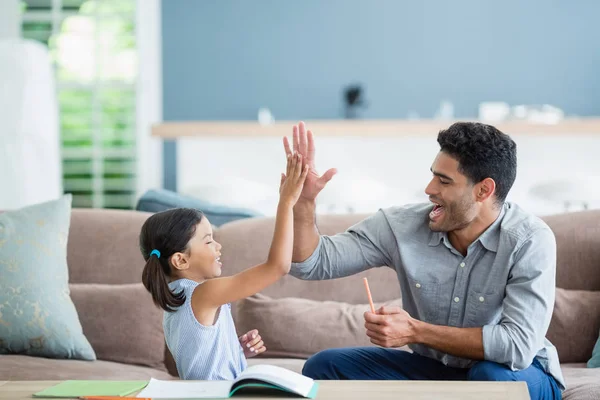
(158, 389)
(285, 378)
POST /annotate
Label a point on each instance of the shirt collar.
(435, 238)
(491, 236)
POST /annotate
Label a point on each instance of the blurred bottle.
(265, 117)
(446, 111)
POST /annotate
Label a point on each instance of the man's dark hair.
(482, 151)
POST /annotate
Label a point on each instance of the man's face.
(452, 194)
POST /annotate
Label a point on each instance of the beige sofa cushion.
(25, 368)
(577, 249)
(298, 328)
(582, 383)
(104, 246)
(121, 323)
(575, 324)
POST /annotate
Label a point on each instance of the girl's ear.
(180, 261)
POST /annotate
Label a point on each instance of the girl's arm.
(216, 292)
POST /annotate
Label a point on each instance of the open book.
(253, 379)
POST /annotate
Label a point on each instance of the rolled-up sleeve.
(370, 243)
(527, 306)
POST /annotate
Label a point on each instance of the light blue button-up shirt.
(505, 283)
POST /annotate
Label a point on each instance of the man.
(477, 273)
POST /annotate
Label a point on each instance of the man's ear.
(485, 189)
(180, 261)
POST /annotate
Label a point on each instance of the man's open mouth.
(437, 211)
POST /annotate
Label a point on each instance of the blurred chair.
(569, 192)
(347, 196)
(161, 200)
(236, 192)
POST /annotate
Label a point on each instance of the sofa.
(296, 318)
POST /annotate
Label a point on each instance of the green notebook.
(92, 388)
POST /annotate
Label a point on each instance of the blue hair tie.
(155, 253)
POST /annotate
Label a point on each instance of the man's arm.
(370, 243)
(459, 342)
(514, 341)
(394, 327)
(528, 304)
(306, 234)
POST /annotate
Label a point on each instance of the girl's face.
(202, 261)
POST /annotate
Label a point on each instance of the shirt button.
(418, 285)
(456, 299)
(481, 299)
(462, 265)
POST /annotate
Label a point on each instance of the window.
(93, 47)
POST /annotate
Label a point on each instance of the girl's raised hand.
(293, 180)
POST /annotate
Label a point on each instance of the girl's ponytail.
(155, 281)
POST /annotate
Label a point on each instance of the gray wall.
(223, 59)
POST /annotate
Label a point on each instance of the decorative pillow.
(121, 322)
(594, 362)
(37, 316)
(575, 324)
(298, 328)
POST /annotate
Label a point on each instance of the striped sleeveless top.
(202, 352)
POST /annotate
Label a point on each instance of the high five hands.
(304, 143)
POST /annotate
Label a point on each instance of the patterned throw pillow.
(37, 316)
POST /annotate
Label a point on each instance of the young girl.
(182, 274)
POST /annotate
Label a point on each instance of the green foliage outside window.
(93, 48)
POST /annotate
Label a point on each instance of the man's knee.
(490, 371)
(321, 365)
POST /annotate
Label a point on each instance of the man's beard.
(456, 216)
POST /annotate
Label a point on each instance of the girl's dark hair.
(169, 232)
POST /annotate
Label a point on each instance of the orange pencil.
(369, 295)
(111, 398)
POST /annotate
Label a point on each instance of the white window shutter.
(93, 46)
